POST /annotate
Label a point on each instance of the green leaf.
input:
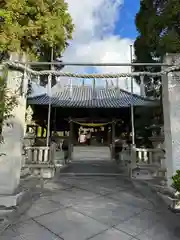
(31, 25)
(158, 25)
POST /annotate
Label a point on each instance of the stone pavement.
(96, 208)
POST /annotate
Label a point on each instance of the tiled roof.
(87, 97)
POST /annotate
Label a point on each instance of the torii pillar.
(171, 109)
(12, 159)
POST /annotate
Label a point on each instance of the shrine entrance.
(103, 113)
(96, 132)
(96, 140)
(97, 136)
(56, 112)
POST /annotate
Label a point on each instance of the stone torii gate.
(11, 161)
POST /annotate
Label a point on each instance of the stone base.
(60, 163)
(25, 172)
(46, 173)
(4, 212)
(167, 195)
(175, 205)
(9, 201)
(142, 173)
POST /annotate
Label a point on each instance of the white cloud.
(93, 38)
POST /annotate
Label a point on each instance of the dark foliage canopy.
(158, 24)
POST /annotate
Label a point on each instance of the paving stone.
(78, 183)
(106, 210)
(71, 225)
(43, 206)
(112, 234)
(139, 223)
(95, 184)
(76, 214)
(99, 188)
(71, 197)
(8, 234)
(55, 186)
(29, 230)
(158, 232)
(132, 199)
(77, 180)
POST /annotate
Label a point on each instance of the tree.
(145, 46)
(49, 55)
(33, 27)
(158, 24)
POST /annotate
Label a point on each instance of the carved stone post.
(171, 108)
(11, 161)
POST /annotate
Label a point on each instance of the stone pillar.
(11, 161)
(171, 109)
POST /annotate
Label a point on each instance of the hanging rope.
(76, 75)
(92, 124)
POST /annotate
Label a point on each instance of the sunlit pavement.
(95, 207)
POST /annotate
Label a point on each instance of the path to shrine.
(95, 207)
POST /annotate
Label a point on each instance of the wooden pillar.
(70, 138)
(113, 139)
(54, 120)
(107, 85)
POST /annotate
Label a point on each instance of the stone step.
(148, 172)
(25, 172)
(147, 166)
(4, 211)
(144, 174)
(152, 168)
(168, 196)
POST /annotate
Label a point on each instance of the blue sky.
(104, 31)
(125, 25)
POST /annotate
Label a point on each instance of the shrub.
(176, 181)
